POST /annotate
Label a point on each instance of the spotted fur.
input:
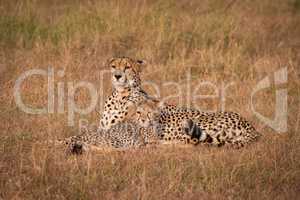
(127, 90)
(137, 130)
(174, 123)
(221, 128)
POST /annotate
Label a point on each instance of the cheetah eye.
(113, 66)
(127, 67)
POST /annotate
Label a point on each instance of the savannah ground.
(225, 43)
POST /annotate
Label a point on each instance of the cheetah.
(122, 136)
(217, 128)
(135, 131)
(127, 90)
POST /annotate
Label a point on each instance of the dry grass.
(223, 41)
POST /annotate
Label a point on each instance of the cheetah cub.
(137, 130)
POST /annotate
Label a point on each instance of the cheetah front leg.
(195, 133)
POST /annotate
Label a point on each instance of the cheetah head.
(125, 72)
(146, 113)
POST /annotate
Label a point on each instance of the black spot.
(221, 144)
(208, 139)
(77, 149)
(218, 138)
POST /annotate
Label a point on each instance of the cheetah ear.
(108, 61)
(141, 62)
(140, 65)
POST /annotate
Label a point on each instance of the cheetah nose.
(118, 76)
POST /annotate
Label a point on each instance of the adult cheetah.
(127, 90)
(220, 127)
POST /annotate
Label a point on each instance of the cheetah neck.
(130, 92)
(116, 106)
